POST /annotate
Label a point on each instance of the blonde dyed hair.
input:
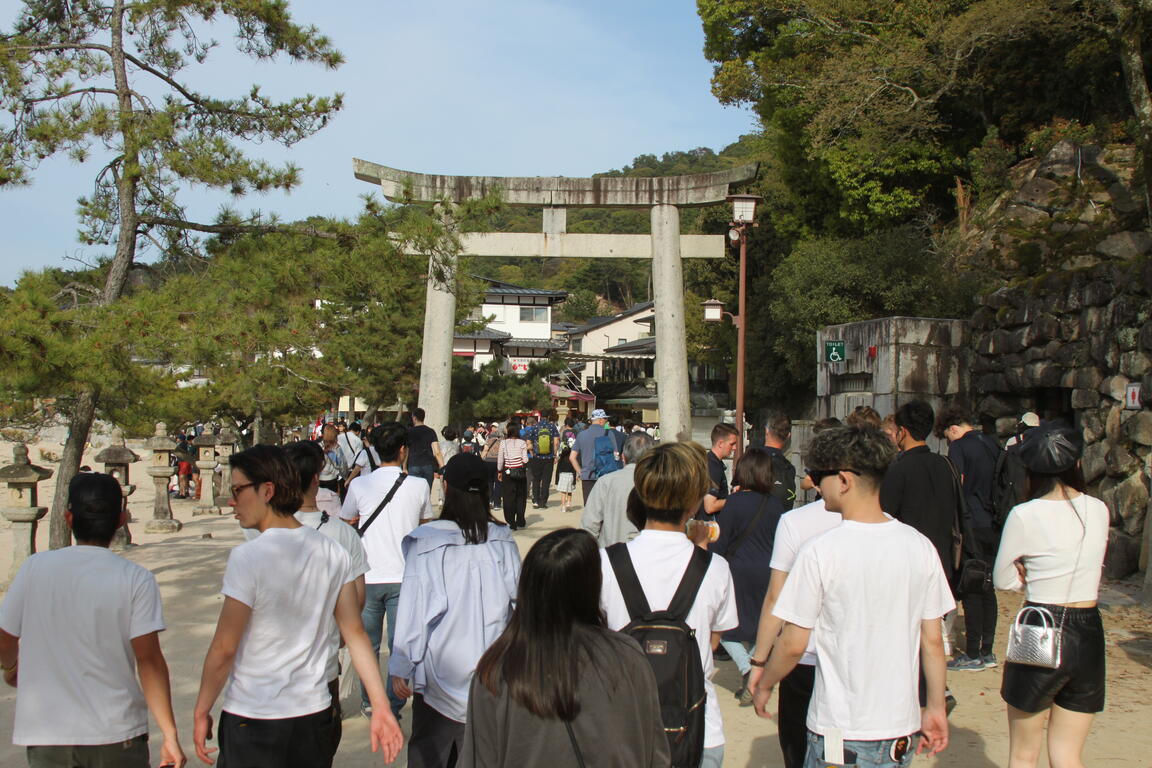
(672, 477)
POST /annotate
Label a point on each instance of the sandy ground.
(189, 566)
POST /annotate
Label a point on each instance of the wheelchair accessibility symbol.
(834, 352)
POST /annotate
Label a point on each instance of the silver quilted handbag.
(1037, 645)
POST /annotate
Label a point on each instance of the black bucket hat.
(1051, 449)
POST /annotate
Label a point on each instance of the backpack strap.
(690, 583)
(634, 599)
(384, 503)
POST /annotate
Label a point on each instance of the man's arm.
(154, 682)
(574, 459)
(786, 654)
(234, 617)
(769, 627)
(712, 505)
(592, 518)
(360, 591)
(934, 718)
(438, 455)
(9, 656)
(384, 729)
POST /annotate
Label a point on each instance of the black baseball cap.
(466, 472)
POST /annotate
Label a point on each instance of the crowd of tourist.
(600, 648)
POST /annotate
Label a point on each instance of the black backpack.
(1010, 480)
(670, 646)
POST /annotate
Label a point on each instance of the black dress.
(750, 563)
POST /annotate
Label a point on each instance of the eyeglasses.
(237, 488)
(819, 474)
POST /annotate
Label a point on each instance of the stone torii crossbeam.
(663, 195)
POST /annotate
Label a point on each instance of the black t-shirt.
(420, 442)
(718, 476)
(974, 455)
(920, 490)
(783, 477)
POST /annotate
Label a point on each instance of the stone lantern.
(116, 458)
(206, 462)
(160, 470)
(21, 507)
(225, 447)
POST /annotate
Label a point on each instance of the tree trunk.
(1129, 34)
(80, 425)
(257, 427)
(369, 415)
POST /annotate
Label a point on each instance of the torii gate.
(664, 195)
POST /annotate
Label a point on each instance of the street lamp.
(743, 216)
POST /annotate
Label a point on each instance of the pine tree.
(102, 78)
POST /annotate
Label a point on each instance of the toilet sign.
(834, 352)
(1132, 397)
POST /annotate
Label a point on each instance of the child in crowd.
(565, 478)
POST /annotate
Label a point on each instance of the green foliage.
(490, 394)
(69, 87)
(827, 281)
(580, 305)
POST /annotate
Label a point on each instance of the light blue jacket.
(456, 600)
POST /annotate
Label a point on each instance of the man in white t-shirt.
(76, 628)
(660, 555)
(382, 535)
(871, 593)
(282, 592)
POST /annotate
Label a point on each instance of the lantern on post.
(205, 444)
(116, 458)
(160, 470)
(22, 506)
(225, 447)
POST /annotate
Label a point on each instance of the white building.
(592, 343)
(518, 327)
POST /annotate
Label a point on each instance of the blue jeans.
(740, 654)
(869, 754)
(426, 471)
(713, 757)
(380, 602)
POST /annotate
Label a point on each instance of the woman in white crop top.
(1053, 548)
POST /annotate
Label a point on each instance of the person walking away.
(79, 640)
(796, 528)
(491, 454)
(1053, 548)
(424, 460)
(777, 433)
(565, 478)
(974, 456)
(871, 592)
(605, 515)
(671, 481)
(747, 531)
(584, 451)
(449, 447)
(545, 440)
(385, 506)
(512, 464)
(350, 444)
(558, 688)
(334, 472)
(271, 652)
(460, 575)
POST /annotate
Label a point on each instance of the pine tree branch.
(238, 229)
(291, 372)
(76, 92)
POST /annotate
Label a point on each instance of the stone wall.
(1068, 344)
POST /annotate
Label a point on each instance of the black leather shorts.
(1078, 684)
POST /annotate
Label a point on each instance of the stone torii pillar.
(662, 195)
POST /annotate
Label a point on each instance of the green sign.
(834, 352)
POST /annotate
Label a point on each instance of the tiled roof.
(484, 333)
(596, 322)
(538, 343)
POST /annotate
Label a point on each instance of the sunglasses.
(819, 474)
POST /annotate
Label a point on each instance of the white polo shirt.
(660, 559)
(401, 516)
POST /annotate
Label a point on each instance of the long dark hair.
(538, 655)
(469, 510)
(1041, 484)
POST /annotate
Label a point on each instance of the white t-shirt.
(346, 536)
(350, 445)
(76, 611)
(397, 520)
(864, 588)
(290, 578)
(1062, 544)
(660, 559)
(796, 528)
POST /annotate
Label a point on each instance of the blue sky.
(500, 87)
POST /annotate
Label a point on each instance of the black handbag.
(974, 574)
